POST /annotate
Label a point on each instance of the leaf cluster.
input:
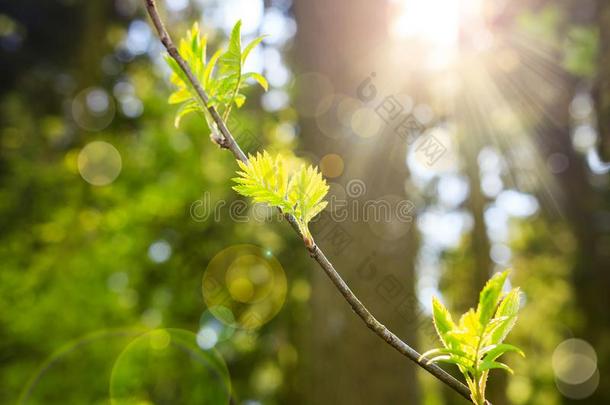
(222, 77)
(476, 342)
(266, 180)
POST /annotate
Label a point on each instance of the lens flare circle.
(244, 287)
(73, 363)
(141, 373)
(574, 361)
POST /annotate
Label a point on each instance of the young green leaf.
(180, 96)
(301, 194)
(306, 192)
(442, 320)
(186, 108)
(507, 310)
(264, 179)
(221, 78)
(489, 365)
(457, 356)
(489, 297)
(475, 342)
(257, 77)
(253, 44)
(231, 60)
(494, 351)
(231, 76)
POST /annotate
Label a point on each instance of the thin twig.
(229, 143)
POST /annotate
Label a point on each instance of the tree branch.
(228, 142)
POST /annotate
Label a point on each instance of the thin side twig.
(228, 142)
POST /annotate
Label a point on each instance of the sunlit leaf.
(508, 309)
(442, 319)
(221, 78)
(264, 179)
(209, 68)
(490, 296)
(253, 44)
(469, 323)
(475, 342)
(178, 77)
(444, 359)
(490, 365)
(459, 356)
(185, 109)
(300, 194)
(260, 79)
(492, 352)
(306, 191)
(180, 96)
(231, 60)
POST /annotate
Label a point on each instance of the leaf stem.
(229, 143)
(479, 394)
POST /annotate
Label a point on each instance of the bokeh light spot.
(365, 122)
(207, 337)
(574, 361)
(93, 109)
(301, 290)
(241, 289)
(331, 165)
(159, 251)
(209, 322)
(579, 391)
(99, 163)
(159, 339)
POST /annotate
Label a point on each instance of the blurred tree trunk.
(351, 365)
(480, 250)
(586, 207)
(479, 241)
(96, 14)
(462, 284)
(602, 86)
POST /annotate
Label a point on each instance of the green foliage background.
(64, 241)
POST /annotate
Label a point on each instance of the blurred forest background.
(103, 203)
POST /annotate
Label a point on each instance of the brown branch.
(229, 143)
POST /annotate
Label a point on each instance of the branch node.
(312, 248)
